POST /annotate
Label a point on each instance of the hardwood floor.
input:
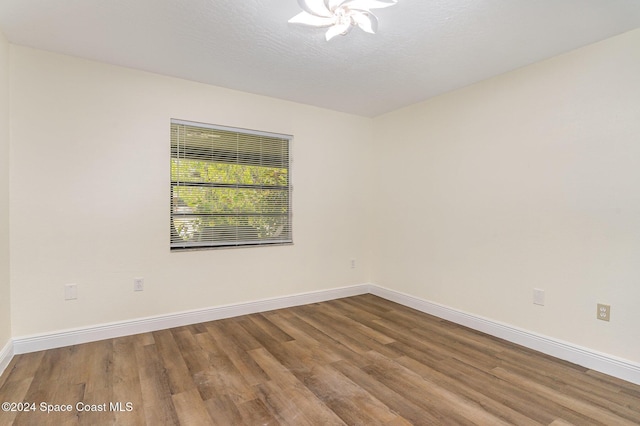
(358, 361)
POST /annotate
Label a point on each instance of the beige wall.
(526, 180)
(530, 179)
(90, 196)
(5, 308)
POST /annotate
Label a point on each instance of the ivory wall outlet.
(604, 312)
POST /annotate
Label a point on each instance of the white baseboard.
(585, 357)
(161, 322)
(6, 354)
(604, 363)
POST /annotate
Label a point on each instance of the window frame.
(178, 246)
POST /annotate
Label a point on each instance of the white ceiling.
(423, 47)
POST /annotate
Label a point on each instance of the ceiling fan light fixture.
(340, 15)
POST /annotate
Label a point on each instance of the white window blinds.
(229, 187)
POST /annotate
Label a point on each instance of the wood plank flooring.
(358, 361)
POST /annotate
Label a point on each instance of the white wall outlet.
(538, 296)
(70, 291)
(604, 312)
(138, 284)
(353, 264)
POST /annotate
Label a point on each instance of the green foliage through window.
(228, 187)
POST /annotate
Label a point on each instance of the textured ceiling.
(423, 47)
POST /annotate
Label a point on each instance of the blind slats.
(228, 188)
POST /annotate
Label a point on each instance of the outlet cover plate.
(70, 291)
(604, 312)
(138, 284)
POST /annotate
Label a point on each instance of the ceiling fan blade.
(367, 22)
(313, 20)
(333, 4)
(336, 30)
(315, 7)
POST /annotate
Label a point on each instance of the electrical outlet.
(138, 284)
(353, 264)
(70, 291)
(538, 296)
(604, 312)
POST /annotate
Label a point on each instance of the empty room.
(320, 212)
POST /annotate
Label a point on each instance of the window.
(229, 187)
